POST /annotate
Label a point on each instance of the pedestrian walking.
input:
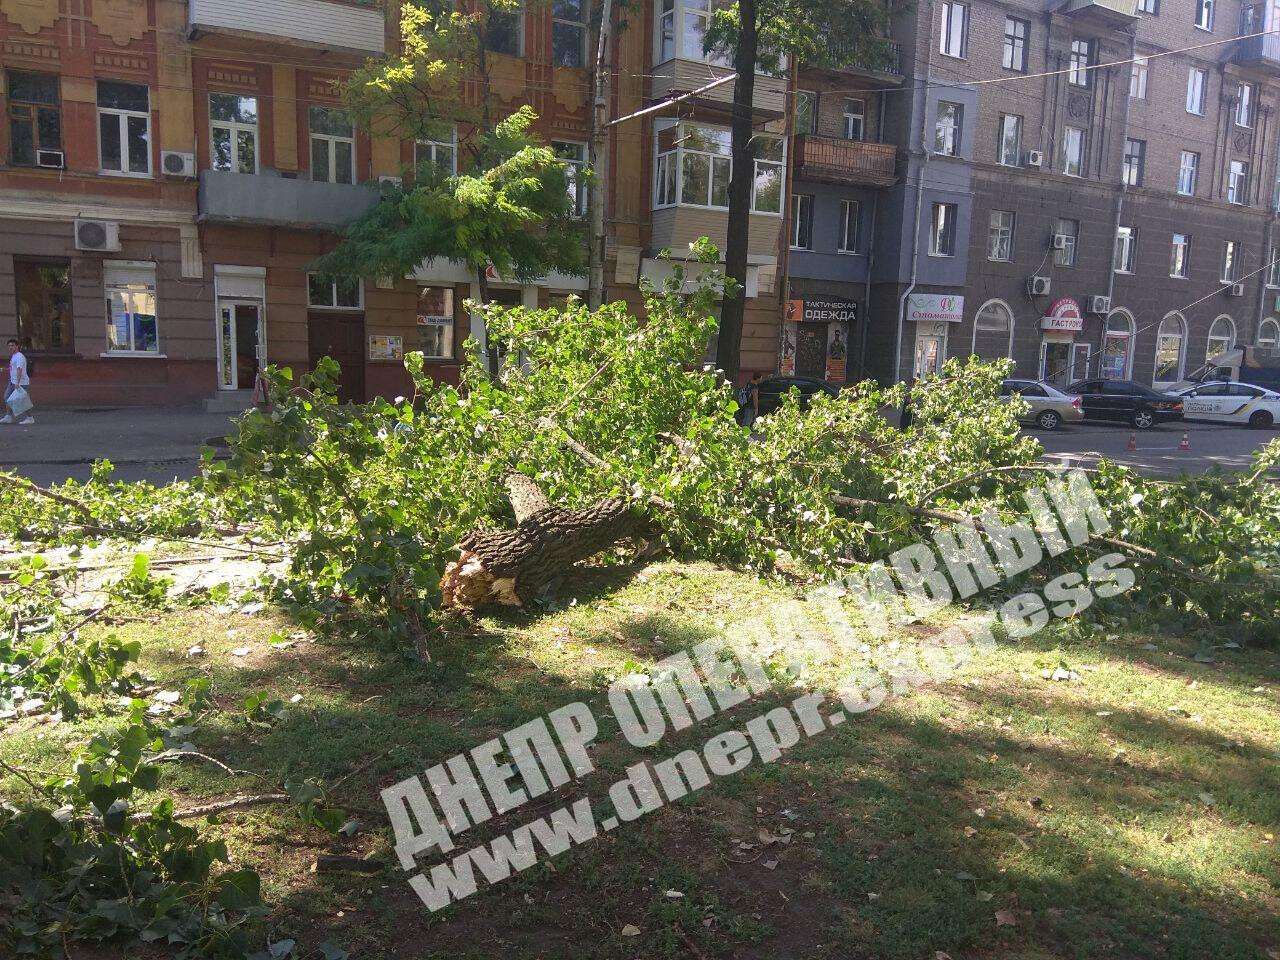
(749, 401)
(16, 393)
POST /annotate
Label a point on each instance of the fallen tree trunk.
(512, 567)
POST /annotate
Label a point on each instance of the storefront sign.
(1064, 315)
(935, 308)
(822, 310)
(386, 348)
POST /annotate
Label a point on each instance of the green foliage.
(833, 33)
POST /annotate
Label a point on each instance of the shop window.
(1116, 351)
(435, 322)
(1169, 341)
(233, 135)
(337, 293)
(35, 120)
(1268, 340)
(333, 145)
(43, 290)
(1222, 337)
(132, 322)
(124, 128)
(993, 330)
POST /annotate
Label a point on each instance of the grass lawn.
(1128, 813)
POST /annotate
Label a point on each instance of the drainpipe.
(871, 262)
(915, 229)
(1115, 227)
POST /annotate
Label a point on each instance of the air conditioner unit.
(1060, 241)
(391, 181)
(175, 164)
(98, 235)
(1099, 304)
(53, 159)
(1235, 290)
(1035, 158)
(1038, 286)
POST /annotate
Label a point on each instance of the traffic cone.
(1186, 440)
(1132, 445)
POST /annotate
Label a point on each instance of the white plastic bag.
(19, 402)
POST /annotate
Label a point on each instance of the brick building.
(170, 170)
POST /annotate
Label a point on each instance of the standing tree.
(762, 35)
(510, 207)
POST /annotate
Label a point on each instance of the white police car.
(1224, 402)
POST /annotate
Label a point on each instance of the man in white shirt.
(18, 377)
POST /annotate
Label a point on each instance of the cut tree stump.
(512, 567)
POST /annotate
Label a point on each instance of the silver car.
(1049, 406)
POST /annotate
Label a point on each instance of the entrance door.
(928, 355)
(811, 350)
(340, 336)
(242, 343)
(1056, 358)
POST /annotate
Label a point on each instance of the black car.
(772, 390)
(1126, 401)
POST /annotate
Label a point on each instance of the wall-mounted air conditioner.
(1035, 158)
(176, 164)
(1060, 241)
(1038, 286)
(1235, 290)
(390, 181)
(1099, 304)
(100, 236)
(50, 159)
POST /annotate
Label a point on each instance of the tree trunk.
(599, 160)
(512, 567)
(490, 353)
(729, 343)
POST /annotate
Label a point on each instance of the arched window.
(1170, 349)
(1222, 337)
(993, 331)
(1269, 336)
(1117, 345)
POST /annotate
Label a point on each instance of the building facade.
(172, 169)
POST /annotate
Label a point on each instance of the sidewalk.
(144, 443)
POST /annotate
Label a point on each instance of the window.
(1188, 173)
(1015, 44)
(35, 120)
(124, 128)
(574, 156)
(1126, 249)
(1222, 337)
(1169, 339)
(955, 29)
(1204, 14)
(1268, 340)
(1180, 256)
(1073, 151)
(693, 168)
(131, 307)
(1009, 149)
(806, 119)
(435, 322)
(947, 127)
(1135, 161)
(233, 137)
(802, 221)
(992, 336)
(1149, 6)
(667, 31)
(333, 145)
(664, 193)
(1117, 346)
(1197, 81)
(504, 31)
(569, 33)
(696, 20)
(766, 189)
(850, 226)
(1246, 94)
(43, 290)
(942, 236)
(1230, 261)
(1079, 62)
(1138, 79)
(1238, 182)
(337, 293)
(854, 119)
(437, 156)
(1000, 235)
(1273, 268)
(1065, 255)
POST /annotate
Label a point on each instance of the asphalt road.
(1228, 447)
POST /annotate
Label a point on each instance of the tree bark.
(512, 567)
(729, 343)
(490, 354)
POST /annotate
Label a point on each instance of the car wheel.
(1144, 419)
(1261, 419)
(1048, 420)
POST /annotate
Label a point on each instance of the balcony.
(1262, 52)
(883, 64)
(343, 27)
(831, 160)
(270, 200)
(1104, 13)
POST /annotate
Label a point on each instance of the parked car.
(1251, 365)
(772, 389)
(1049, 406)
(1224, 402)
(1127, 401)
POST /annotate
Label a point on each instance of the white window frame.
(1272, 342)
(984, 310)
(855, 116)
(953, 38)
(1188, 173)
(1246, 100)
(670, 164)
(1066, 257)
(128, 279)
(1013, 46)
(331, 141)
(1138, 79)
(1273, 269)
(1209, 351)
(576, 174)
(1238, 182)
(1000, 232)
(1181, 336)
(333, 290)
(943, 215)
(850, 221)
(1230, 262)
(1002, 156)
(234, 128)
(951, 136)
(580, 25)
(431, 147)
(1134, 163)
(1080, 74)
(1180, 256)
(1067, 160)
(1204, 15)
(1197, 90)
(802, 205)
(122, 119)
(1126, 250)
